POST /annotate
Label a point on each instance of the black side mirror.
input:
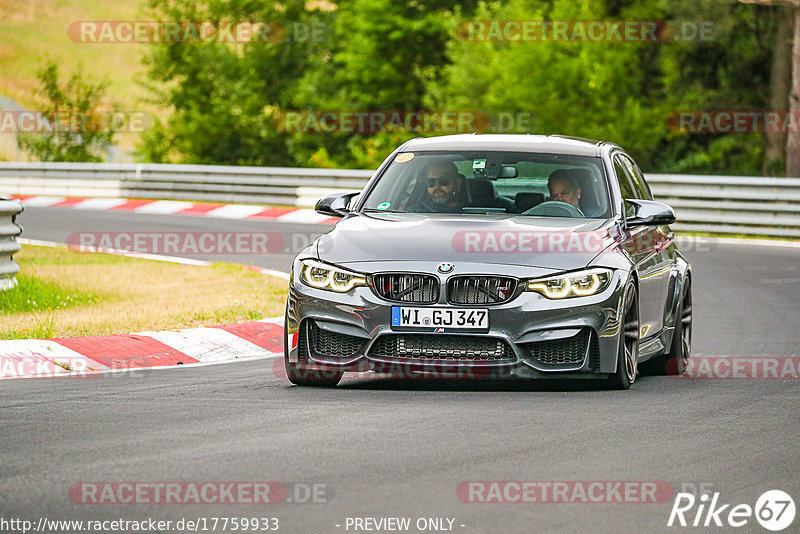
(335, 205)
(647, 212)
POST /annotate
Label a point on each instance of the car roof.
(551, 144)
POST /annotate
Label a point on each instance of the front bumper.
(529, 336)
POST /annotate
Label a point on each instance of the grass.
(62, 293)
(35, 32)
(33, 294)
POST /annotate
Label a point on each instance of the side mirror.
(647, 212)
(335, 205)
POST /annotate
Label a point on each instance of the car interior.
(498, 183)
(503, 191)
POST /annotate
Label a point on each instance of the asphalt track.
(398, 448)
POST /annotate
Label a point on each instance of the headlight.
(577, 284)
(322, 276)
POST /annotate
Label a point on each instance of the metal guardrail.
(260, 185)
(9, 230)
(731, 204)
(721, 204)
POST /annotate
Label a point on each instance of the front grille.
(402, 287)
(420, 347)
(480, 289)
(333, 344)
(565, 351)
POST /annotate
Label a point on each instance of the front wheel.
(676, 361)
(628, 356)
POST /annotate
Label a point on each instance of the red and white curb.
(176, 207)
(93, 356)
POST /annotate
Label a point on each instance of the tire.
(627, 357)
(675, 362)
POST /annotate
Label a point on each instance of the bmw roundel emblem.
(445, 268)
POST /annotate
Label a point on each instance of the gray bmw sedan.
(493, 255)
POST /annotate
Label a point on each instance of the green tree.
(623, 92)
(381, 57)
(587, 89)
(223, 95)
(729, 72)
(227, 100)
(73, 129)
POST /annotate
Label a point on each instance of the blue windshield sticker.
(384, 205)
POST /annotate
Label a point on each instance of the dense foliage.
(71, 128)
(229, 101)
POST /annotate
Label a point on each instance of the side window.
(639, 185)
(640, 174)
(625, 186)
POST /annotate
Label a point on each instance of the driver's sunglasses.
(444, 181)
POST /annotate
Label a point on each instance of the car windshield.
(528, 184)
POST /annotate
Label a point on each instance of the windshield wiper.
(376, 210)
(483, 211)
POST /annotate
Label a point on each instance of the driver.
(445, 189)
(565, 189)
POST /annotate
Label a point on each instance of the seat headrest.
(481, 190)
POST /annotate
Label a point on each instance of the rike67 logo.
(774, 510)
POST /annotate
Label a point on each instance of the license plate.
(431, 319)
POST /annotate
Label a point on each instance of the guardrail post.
(9, 230)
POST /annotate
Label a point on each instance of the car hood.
(544, 242)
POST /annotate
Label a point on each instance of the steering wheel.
(554, 208)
